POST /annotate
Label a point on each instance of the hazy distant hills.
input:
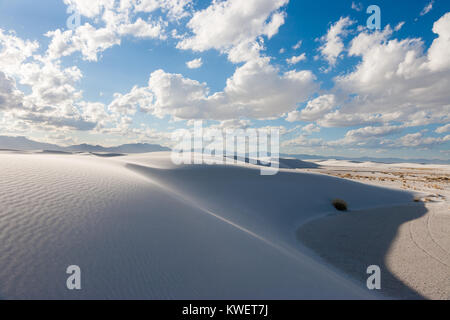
(124, 148)
(22, 143)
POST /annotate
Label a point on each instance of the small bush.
(340, 204)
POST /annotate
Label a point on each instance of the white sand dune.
(410, 243)
(140, 227)
(370, 164)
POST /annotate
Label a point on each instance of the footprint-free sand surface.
(411, 243)
(140, 227)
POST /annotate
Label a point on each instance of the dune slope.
(141, 228)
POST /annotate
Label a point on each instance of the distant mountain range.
(22, 143)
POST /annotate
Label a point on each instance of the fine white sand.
(410, 243)
(142, 228)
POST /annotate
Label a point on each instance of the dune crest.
(140, 227)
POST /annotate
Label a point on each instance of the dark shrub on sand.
(340, 204)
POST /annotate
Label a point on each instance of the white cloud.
(10, 97)
(399, 26)
(51, 99)
(95, 112)
(438, 57)
(366, 133)
(87, 39)
(370, 138)
(256, 90)
(246, 51)
(89, 8)
(142, 29)
(118, 17)
(427, 8)
(418, 140)
(297, 45)
(227, 24)
(333, 45)
(51, 85)
(128, 103)
(303, 141)
(357, 6)
(233, 124)
(314, 109)
(296, 59)
(176, 9)
(310, 128)
(443, 129)
(340, 118)
(14, 51)
(195, 63)
(396, 80)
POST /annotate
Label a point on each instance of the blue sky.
(121, 75)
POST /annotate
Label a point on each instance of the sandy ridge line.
(288, 250)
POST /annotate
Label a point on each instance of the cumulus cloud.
(87, 39)
(95, 112)
(332, 41)
(51, 99)
(119, 20)
(438, 59)
(396, 80)
(367, 134)
(314, 109)
(195, 63)
(399, 26)
(296, 59)
(10, 97)
(142, 29)
(310, 128)
(14, 51)
(256, 90)
(340, 118)
(50, 83)
(233, 124)
(357, 6)
(246, 51)
(129, 103)
(443, 129)
(394, 83)
(227, 24)
(297, 45)
(427, 8)
(89, 8)
(370, 138)
(418, 140)
(303, 141)
(175, 9)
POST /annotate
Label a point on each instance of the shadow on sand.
(355, 240)
(284, 163)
